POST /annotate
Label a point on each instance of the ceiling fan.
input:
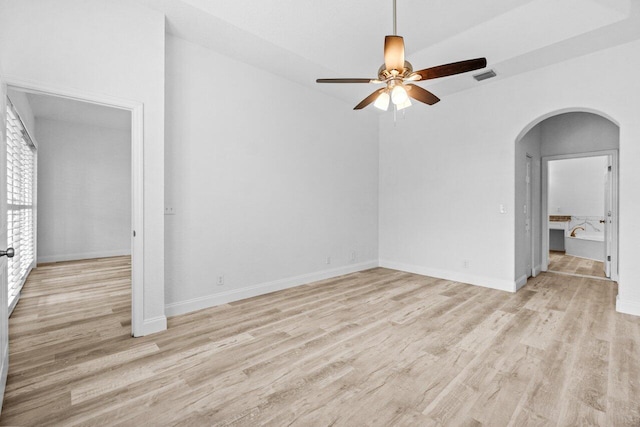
(397, 74)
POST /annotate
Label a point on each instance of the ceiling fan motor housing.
(384, 74)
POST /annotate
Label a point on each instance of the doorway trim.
(529, 228)
(614, 197)
(137, 180)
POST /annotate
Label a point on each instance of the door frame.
(614, 205)
(4, 290)
(608, 204)
(136, 109)
(528, 215)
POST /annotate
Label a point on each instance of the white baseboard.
(486, 282)
(83, 255)
(627, 307)
(182, 307)
(153, 325)
(521, 281)
(537, 270)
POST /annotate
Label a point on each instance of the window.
(20, 212)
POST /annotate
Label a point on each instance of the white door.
(608, 192)
(4, 297)
(527, 220)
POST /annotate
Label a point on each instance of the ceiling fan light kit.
(382, 102)
(397, 74)
(403, 105)
(399, 94)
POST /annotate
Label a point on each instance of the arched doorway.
(566, 134)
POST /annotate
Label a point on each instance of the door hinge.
(134, 233)
(608, 257)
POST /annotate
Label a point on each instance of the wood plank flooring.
(563, 263)
(378, 348)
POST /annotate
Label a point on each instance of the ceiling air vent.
(484, 76)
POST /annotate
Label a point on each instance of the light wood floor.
(379, 347)
(563, 263)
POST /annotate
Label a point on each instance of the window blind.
(20, 185)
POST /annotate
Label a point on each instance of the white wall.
(22, 105)
(445, 170)
(84, 191)
(578, 132)
(576, 186)
(267, 180)
(110, 49)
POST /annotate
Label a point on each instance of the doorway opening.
(566, 136)
(579, 194)
(89, 192)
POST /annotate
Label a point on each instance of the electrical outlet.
(168, 210)
(353, 256)
(328, 260)
(220, 280)
(465, 263)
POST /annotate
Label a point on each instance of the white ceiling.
(302, 40)
(73, 111)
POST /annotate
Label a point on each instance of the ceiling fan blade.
(344, 80)
(394, 53)
(369, 99)
(451, 69)
(422, 95)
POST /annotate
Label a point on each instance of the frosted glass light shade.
(405, 104)
(399, 95)
(382, 102)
